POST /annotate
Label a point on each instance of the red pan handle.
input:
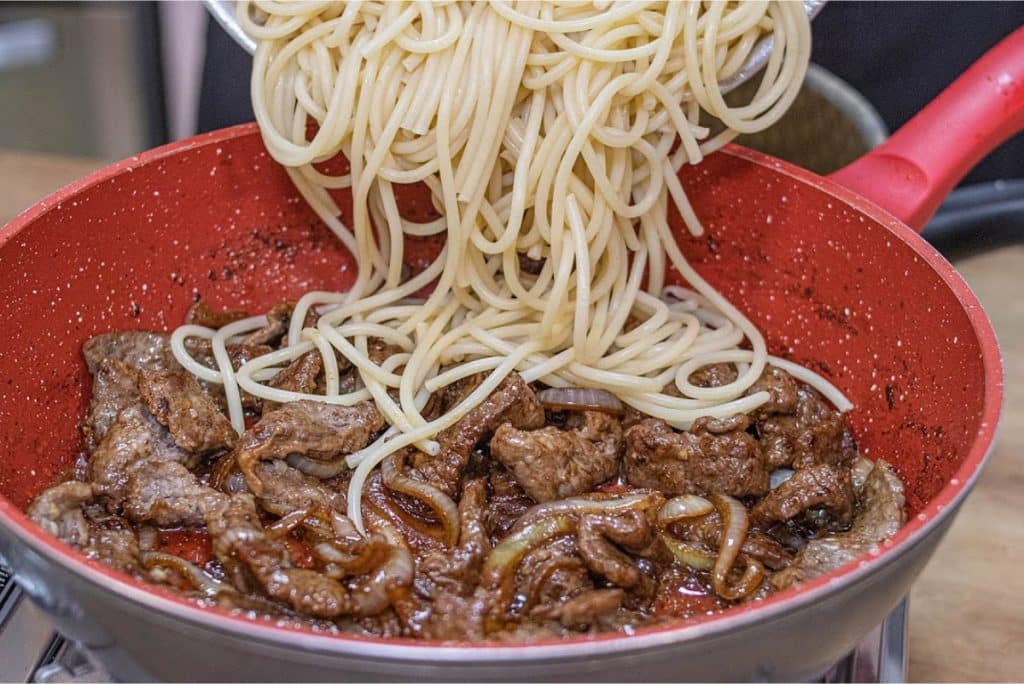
(913, 171)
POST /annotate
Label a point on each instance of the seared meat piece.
(822, 486)
(551, 574)
(457, 570)
(202, 314)
(310, 428)
(528, 265)
(114, 388)
(278, 319)
(239, 541)
(582, 611)
(179, 403)
(880, 514)
(139, 469)
(599, 537)
(133, 438)
(714, 375)
(167, 494)
(781, 388)
(797, 427)
(380, 351)
(554, 464)
(113, 543)
(58, 511)
(512, 402)
(141, 350)
(507, 501)
(286, 489)
(64, 512)
(298, 376)
(707, 530)
(699, 461)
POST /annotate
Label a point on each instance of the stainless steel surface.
(224, 12)
(128, 630)
(24, 636)
(70, 79)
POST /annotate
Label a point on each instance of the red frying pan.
(831, 269)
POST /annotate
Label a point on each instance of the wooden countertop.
(966, 620)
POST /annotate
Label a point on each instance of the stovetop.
(32, 651)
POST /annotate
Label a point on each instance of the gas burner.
(31, 651)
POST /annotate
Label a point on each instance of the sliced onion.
(445, 510)
(860, 470)
(689, 554)
(748, 584)
(208, 585)
(778, 476)
(503, 558)
(321, 469)
(683, 507)
(580, 399)
(735, 523)
(579, 504)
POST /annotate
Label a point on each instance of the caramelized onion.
(779, 475)
(445, 510)
(577, 505)
(580, 399)
(735, 523)
(860, 470)
(683, 507)
(208, 585)
(689, 554)
(321, 469)
(503, 558)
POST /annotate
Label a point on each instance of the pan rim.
(935, 513)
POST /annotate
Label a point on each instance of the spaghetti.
(551, 131)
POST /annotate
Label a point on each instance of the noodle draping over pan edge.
(548, 131)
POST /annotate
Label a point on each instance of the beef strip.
(583, 610)
(58, 510)
(299, 376)
(380, 351)
(114, 388)
(141, 350)
(286, 490)
(782, 392)
(180, 404)
(880, 514)
(64, 512)
(699, 461)
(819, 487)
(551, 574)
(135, 437)
(552, 464)
(599, 538)
(239, 541)
(310, 428)
(457, 570)
(448, 607)
(203, 314)
(707, 530)
(138, 469)
(278, 320)
(167, 494)
(713, 375)
(507, 501)
(512, 402)
(797, 427)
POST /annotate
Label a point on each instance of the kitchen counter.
(966, 619)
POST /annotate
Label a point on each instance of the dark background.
(898, 54)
